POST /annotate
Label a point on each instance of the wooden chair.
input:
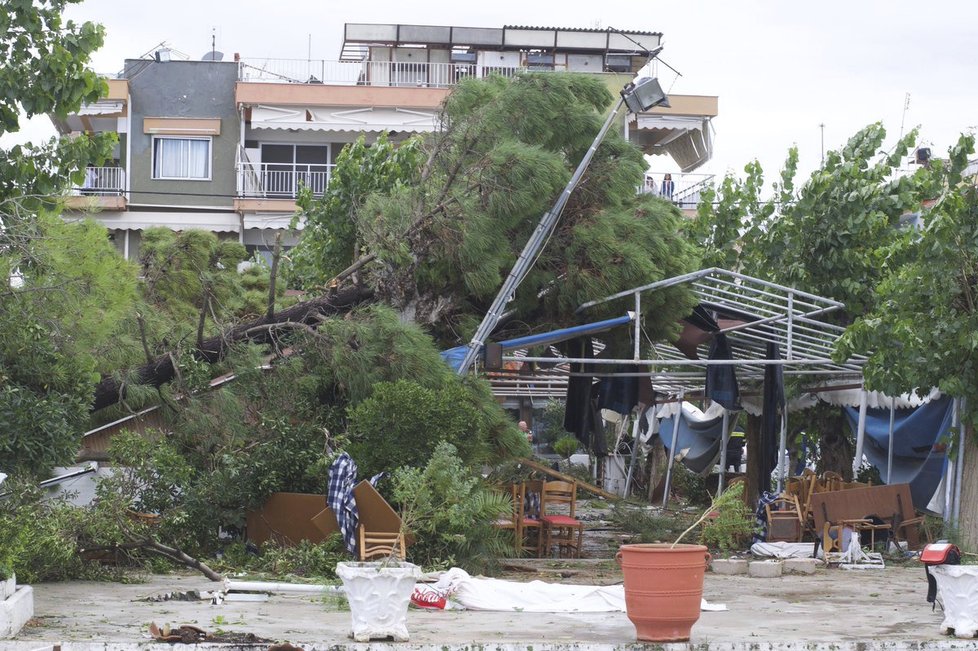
(906, 523)
(832, 481)
(562, 530)
(379, 544)
(531, 528)
(784, 520)
(512, 521)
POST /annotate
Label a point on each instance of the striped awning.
(342, 118)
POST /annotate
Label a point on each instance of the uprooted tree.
(435, 241)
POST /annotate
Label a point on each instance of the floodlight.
(644, 94)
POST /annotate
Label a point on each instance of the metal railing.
(281, 180)
(685, 190)
(101, 181)
(406, 74)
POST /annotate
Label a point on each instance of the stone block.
(729, 566)
(801, 565)
(765, 569)
(15, 611)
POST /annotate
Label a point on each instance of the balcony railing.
(685, 190)
(101, 181)
(365, 73)
(281, 180)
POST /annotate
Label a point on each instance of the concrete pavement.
(833, 609)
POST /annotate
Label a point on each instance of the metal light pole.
(639, 96)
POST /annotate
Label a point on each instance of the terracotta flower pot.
(663, 588)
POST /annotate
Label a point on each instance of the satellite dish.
(213, 55)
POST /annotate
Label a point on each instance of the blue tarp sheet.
(454, 356)
(702, 439)
(919, 455)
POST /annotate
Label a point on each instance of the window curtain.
(182, 158)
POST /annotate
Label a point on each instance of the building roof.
(359, 37)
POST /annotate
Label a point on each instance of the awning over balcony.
(688, 139)
(342, 118)
(220, 222)
(103, 107)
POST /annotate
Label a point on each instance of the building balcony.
(684, 191)
(364, 73)
(103, 189)
(273, 187)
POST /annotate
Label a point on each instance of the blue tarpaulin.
(454, 356)
(700, 439)
(919, 454)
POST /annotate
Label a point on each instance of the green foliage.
(330, 241)
(37, 45)
(565, 446)
(445, 235)
(731, 517)
(731, 524)
(450, 512)
(922, 330)
(402, 422)
(690, 486)
(644, 524)
(549, 426)
(305, 560)
(73, 294)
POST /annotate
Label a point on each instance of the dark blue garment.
(721, 380)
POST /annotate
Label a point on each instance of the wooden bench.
(892, 504)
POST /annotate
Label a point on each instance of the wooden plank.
(591, 488)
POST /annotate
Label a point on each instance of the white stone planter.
(16, 607)
(957, 588)
(379, 594)
(7, 588)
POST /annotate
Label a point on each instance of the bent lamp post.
(638, 96)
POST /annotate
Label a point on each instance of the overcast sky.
(780, 68)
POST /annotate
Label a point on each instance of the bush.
(402, 423)
(549, 426)
(732, 524)
(450, 512)
(690, 486)
(306, 559)
(566, 446)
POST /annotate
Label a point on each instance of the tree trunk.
(835, 443)
(110, 390)
(968, 519)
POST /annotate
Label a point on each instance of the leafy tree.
(64, 289)
(450, 512)
(830, 237)
(922, 330)
(329, 239)
(443, 236)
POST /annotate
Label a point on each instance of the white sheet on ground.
(478, 593)
(784, 549)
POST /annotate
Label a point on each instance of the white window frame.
(210, 159)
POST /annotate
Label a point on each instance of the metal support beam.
(857, 460)
(889, 448)
(672, 451)
(532, 249)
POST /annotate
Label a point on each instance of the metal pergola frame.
(771, 313)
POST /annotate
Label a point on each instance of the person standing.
(667, 186)
(526, 430)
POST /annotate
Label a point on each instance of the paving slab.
(831, 610)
